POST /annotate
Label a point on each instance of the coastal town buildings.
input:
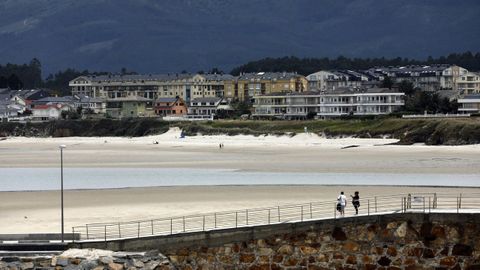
(248, 85)
(328, 104)
(427, 78)
(185, 86)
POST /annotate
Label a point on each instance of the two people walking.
(342, 202)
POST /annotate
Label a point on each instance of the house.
(8, 109)
(170, 107)
(67, 100)
(95, 105)
(52, 111)
(132, 106)
(469, 104)
(328, 104)
(26, 97)
(205, 106)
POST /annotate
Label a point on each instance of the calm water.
(16, 179)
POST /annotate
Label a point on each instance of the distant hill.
(174, 35)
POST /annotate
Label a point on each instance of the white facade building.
(468, 83)
(469, 104)
(330, 104)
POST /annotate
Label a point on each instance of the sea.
(35, 179)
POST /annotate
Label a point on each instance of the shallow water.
(21, 179)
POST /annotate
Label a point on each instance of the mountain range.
(156, 36)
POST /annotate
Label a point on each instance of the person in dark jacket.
(356, 201)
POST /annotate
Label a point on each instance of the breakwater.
(395, 241)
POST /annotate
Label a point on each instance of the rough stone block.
(462, 250)
(285, 250)
(448, 261)
(247, 258)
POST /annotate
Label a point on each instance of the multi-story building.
(185, 86)
(328, 104)
(428, 78)
(468, 83)
(469, 104)
(248, 85)
(207, 106)
(331, 80)
(211, 85)
(129, 107)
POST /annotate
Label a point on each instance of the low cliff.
(408, 131)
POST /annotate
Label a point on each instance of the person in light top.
(341, 203)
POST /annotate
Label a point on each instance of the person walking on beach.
(356, 201)
(342, 202)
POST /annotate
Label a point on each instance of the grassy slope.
(433, 132)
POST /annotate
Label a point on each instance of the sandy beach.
(27, 212)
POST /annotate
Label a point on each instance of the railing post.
(279, 214)
(151, 223)
(268, 215)
(429, 206)
(183, 223)
(301, 213)
(460, 201)
(73, 234)
(203, 224)
(246, 216)
(138, 231)
(423, 204)
(105, 234)
(368, 207)
(119, 231)
(434, 200)
(215, 220)
(311, 214)
(375, 204)
(409, 201)
(457, 205)
(171, 226)
(236, 219)
(86, 226)
(335, 210)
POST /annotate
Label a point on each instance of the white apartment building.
(185, 86)
(330, 104)
(428, 78)
(469, 104)
(468, 83)
(331, 80)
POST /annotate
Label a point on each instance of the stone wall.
(423, 242)
(399, 241)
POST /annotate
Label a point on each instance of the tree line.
(306, 66)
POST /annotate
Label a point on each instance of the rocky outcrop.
(90, 259)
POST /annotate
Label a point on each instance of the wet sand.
(28, 212)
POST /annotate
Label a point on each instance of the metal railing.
(399, 203)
